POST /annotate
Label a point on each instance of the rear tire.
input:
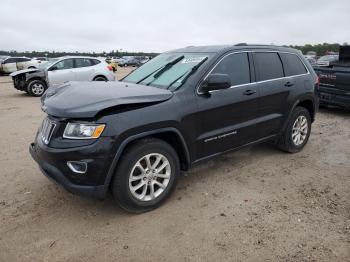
(36, 88)
(297, 132)
(140, 183)
(100, 78)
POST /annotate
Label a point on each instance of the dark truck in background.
(334, 88)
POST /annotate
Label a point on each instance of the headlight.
(83, 131)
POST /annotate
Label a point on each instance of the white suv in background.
(12, 64)
(60, 70)
(78, 68)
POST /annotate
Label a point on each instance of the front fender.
(134, 137)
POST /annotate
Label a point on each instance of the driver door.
(61, 72)
(227, 117)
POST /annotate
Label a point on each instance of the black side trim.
(264, 139)
(138, 136)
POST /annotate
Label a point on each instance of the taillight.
(317, 81)
(110, 68)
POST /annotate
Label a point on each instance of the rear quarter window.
(94, 61)
(268, 65)
(292, 65)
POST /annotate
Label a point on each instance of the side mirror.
(215, 82)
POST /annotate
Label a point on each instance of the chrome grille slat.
(47, 129)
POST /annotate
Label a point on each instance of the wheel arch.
(36, 78)
(170, 135)
(100, 75)
(307, 103)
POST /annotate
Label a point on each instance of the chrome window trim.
(256, 82)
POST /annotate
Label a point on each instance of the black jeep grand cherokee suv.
(184, 106)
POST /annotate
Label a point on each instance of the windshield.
(47, 64)
(167, 70)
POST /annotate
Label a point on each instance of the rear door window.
(292, 65)
(268, 65)
(236, 66)
(82, 62)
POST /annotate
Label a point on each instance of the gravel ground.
(258, 204)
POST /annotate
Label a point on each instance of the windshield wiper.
(187, 74)
(162, 69)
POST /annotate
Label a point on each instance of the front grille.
(47, 129)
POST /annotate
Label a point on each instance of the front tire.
(36, 88)
(297, 132)
(146, 176)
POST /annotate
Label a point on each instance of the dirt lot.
(258, 204)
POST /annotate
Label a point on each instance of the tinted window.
(94, 61)
(268, 65)
(23, 59)
(82, 62)
(236, 66)
(10, 60)
(292, 65)
(64, 64)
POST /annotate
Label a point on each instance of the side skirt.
(234, 149)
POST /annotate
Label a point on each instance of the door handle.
(288, 84)
(249, 92)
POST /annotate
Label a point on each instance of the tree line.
(320, 49)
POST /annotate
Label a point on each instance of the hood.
(86, 99)
(24, 71)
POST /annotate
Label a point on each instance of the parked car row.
(35, 81)
(135, 61)
(325, 60)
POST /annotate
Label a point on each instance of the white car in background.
(60, 70)
(13, 64)
(78, 68)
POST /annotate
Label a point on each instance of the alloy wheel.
(149, 177)
(300, 130)
(38, 89)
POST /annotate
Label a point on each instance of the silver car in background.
(60, 70)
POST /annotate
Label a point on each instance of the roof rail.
(241, 44)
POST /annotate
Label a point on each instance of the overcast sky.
(160, 25)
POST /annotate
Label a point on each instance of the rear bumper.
(334, 96)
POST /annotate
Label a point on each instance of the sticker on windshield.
(193, 60)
